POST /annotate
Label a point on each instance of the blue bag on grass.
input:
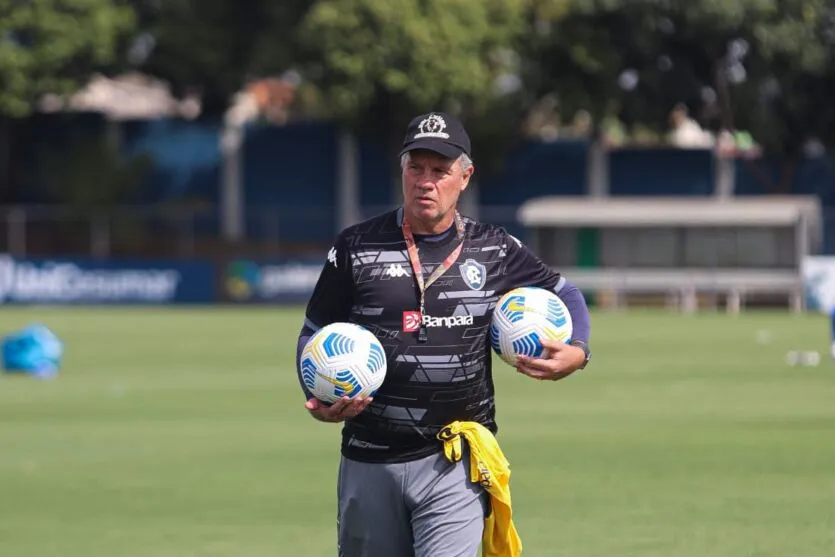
(34, 350)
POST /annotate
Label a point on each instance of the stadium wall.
(290, 172)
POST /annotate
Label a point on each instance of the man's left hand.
(559, 360)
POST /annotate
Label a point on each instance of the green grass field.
(180, 433)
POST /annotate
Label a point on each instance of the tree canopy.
(760, 65)
(52, 46)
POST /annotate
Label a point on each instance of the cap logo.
(432, 126)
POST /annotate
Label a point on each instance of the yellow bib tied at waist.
(490, 469)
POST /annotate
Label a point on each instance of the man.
(424, 280)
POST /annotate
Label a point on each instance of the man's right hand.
(343, 409)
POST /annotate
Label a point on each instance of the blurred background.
(242, 137)
(172, 176)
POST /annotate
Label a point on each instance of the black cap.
(438, 132)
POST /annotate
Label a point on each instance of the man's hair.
(466, 162)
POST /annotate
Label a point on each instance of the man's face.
(431, 186)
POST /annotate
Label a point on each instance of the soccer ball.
(342, 359)
(522, 317)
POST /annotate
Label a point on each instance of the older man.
(424, 280)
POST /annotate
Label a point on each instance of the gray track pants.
(423, 508)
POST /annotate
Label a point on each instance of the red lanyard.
(414, 259)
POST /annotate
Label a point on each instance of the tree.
(215, 46)
(376, 63)
(52, 46)
(760, 65)
(428, 53)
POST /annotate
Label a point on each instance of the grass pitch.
(181, 433)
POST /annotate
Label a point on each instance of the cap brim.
(444, 149)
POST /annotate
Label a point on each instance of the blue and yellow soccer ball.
(342, 359)
(523, 317)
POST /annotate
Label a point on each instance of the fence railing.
(183, 231)
(128, 230)
(174, 231)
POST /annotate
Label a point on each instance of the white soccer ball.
(342, 359)
(522, 317)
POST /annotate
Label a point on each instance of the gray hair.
(466, 161)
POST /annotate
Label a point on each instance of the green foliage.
(215, 46)
(425, 52)
(761, 65)
(51, 46)
(373, 63)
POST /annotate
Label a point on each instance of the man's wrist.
(585, 348)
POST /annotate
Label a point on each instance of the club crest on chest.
(474, 274)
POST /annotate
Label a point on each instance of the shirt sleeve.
(523, 268)
(333, 295)
(304, 337)
(579, 311)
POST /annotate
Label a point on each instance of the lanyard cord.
(414, 260)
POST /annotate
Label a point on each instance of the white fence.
(683, 288)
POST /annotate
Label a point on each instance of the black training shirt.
(368, 280)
